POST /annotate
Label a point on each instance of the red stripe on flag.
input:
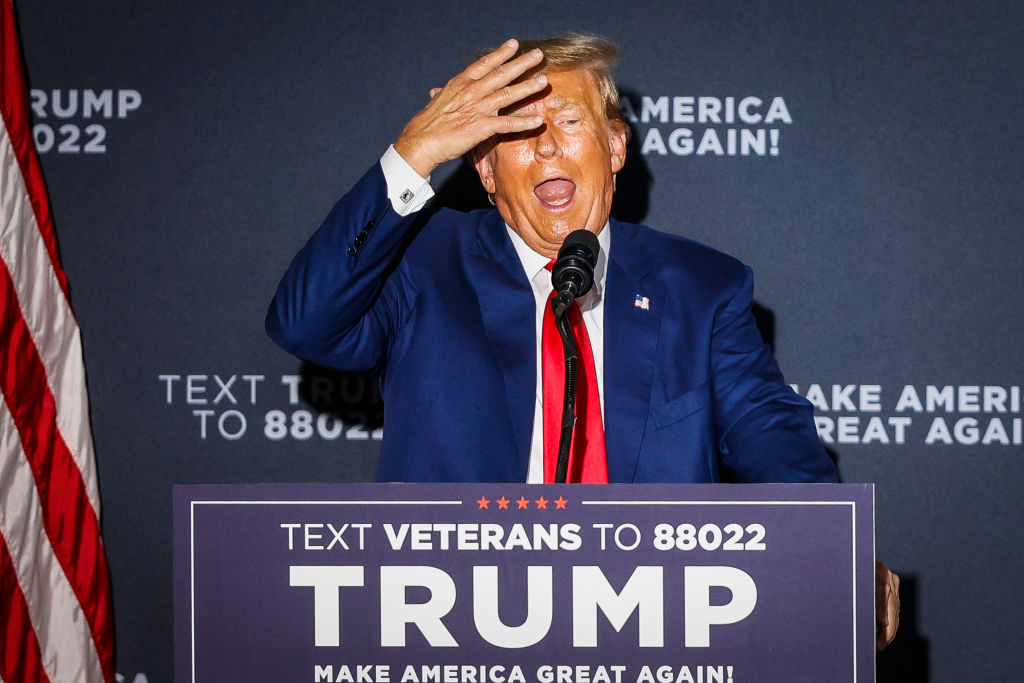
(13, 97)
(20, 658)
(68, 516)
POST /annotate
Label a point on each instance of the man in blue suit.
(447, 307)
(441, 303)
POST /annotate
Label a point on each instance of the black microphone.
(572, 275)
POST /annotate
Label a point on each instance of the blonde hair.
(584, 52)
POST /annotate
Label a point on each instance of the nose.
(546, 146)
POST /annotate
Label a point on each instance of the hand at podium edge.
(887, 605)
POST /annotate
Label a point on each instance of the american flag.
(642, 302)
(56, 622)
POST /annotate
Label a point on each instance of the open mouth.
(555, 193)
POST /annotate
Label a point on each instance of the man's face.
(559, 177)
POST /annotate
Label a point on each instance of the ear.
(482, 163)
(617, 147)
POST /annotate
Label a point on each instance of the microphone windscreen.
(584, 238)
(573, 271)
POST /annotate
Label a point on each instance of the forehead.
(566, 90)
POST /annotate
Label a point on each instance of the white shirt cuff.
(407, 189)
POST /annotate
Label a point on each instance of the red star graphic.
(560, 503)
(522, 503)
(483, 503)
(503, 503)
(542, 502)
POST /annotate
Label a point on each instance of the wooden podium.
(514, 582)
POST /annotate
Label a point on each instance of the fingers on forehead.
(521, 98)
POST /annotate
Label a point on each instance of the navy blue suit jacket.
(439, 305)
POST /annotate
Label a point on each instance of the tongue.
(554, 190)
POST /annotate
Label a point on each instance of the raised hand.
(464, 112)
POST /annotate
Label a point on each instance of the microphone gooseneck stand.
(569, 400)
(572, 276)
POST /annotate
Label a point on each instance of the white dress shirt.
(408, 192)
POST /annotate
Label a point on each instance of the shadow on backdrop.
(634, 182)
(349, 397)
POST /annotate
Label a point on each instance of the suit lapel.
(507, 311)
(630, 346)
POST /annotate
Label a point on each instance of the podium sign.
(497, 583)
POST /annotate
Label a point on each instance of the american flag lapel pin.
(642, 302)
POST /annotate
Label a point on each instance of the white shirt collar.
(534, 263)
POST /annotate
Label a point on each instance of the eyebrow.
(556, 102)
(563, 103)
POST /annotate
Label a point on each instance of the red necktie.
(588, 463)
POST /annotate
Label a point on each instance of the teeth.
(560, 202)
